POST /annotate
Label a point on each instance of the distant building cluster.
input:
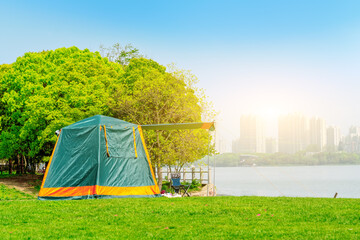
(296, 132)
(351, 142)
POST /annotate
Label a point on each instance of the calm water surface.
(304, 181)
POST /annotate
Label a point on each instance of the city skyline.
(296, 132)
(273, 123)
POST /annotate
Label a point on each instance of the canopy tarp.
(176, 126)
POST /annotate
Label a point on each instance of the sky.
(251, 57)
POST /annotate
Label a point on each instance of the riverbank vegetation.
(283, 159)
(182, 218)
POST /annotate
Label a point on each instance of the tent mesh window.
(116, 146)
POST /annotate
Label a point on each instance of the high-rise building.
(222, 144)
(236, 146)
(351, 142)
(271, 145)
(354, 130)
(293, 133)
(317, 134)
(252, 134)
(333, 138)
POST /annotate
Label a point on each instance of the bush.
(195, 185)
(166, 186)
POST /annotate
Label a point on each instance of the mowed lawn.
(184, 218)
(7, 193)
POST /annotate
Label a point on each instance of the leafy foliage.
(119, 54)
(45, 91)
(195, 185)
(152, 96)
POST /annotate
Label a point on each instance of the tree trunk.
(25, 164)
(10, 166)
(22, 165)
(159, 174)
(17, 165)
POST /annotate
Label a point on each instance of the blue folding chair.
(177, 186)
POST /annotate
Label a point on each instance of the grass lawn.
(182, 218)
(7, 193)
(29, 183)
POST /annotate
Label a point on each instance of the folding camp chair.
(177, 186)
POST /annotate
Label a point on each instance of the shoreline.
(290, 165)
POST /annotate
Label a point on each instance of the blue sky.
(255, 56)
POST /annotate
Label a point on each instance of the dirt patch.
(28, 183)
(204, 190)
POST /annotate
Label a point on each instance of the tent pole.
(208, 183)
(214, 162)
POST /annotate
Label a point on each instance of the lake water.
(302, 181)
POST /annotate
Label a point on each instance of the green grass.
(29, 181)
(7, 193)
(182, 218)
(7, 175)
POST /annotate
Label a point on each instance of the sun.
(270, 112)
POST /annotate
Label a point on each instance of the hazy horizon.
(251, 57)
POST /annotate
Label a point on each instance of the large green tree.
(120, 54)
(152, 95)
(45, 91)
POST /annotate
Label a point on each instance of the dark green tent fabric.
(99, 157)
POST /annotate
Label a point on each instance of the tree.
(3, 69)
(152, 96)
(119, 54)
(43, 92)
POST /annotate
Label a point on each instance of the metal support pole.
(214, 162)
(207, 191)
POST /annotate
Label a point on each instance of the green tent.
(99, 157)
